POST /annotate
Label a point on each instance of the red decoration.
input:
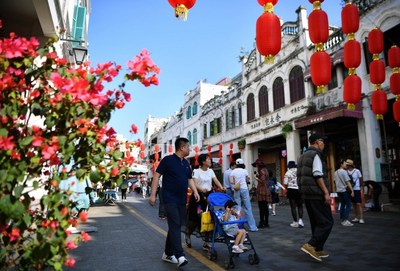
(196, 148)
(156, 156)
(156, 148)
(141, 155)
(352, 91)
(320, 67)
(314, 1)
(231, 146)
(268, 36)
(182, 7)
(220, 147)
(375, 42)
(350, 19)
(379, 103)
(170, 149)
(377, 72)
(396, 111)
(395, 83)
(264, 2)
(394, 57)
(142, 147)
(352, 54)
(318, 27)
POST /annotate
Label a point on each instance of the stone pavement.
(131, 237)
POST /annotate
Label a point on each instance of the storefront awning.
(336, 112)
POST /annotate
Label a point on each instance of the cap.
(291, 164)
(315, 137)
(239, 161)
(258, 162)
(350, 162)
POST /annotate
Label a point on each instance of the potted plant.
(286, 129)
(241, 144)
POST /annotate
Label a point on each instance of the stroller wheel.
(256, 259)
(251, 259)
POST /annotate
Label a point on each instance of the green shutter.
(78, 25)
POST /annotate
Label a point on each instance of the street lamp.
(80, 53)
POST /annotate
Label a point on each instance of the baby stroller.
(216, 205)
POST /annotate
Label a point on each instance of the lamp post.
(79, 51)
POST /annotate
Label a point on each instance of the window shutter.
(78, 25)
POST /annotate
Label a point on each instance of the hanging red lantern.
(315, 1)
(230, 152)
(268, 36)
(352, 91)
(231, 146)
(394, 58)
(196, 157)
(220, 147)
(318, 28)
(142, 155)
(170, 149)
(268, 5)
(395, 83)
(379, 103)
(396, 111)
(375, 42)
(352, 55)
(142, 147)
(320, 68)
(182, 7)
(350, 19)
(196, 148)
(377, 72)
(156, 148)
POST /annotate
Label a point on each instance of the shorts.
(275, 197)
(357, 196)
(294, 194)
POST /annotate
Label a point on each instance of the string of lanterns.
(394, 63)
(181, 8)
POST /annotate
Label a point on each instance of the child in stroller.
(232, 213)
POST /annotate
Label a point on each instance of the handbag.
(236, 187)
(206, 221)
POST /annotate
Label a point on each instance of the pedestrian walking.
(314, 186)
(294, 195)
(345, 192)
(124, 188)
(241, 176)
(263, 192)
(356, 176)
(177, 176)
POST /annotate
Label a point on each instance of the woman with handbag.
(203, 178)
(263, 192)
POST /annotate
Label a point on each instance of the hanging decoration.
(396, 111)
(196, 156)
(170, 150)
(320, 63)
(156, 155)
(142, 151)
(230, 152)
(268, 32)
(182, 7)
(209, 150)
(220, 154)
(352, 55)
(377, 73)
(394, 63)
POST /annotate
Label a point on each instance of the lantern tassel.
(351, 106)
(379, 117)
(181, 12)
(269, 59)
(321, 89)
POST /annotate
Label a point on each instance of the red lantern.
(394, 57)
(396, 111)
(379, 103)
(320, 67)
(264, 2)
(352, 54)
(220, 147)
(209, 148)
(182, 7)
(395, 83)
(375, 42)
(318, 27)
(142, 147)
(220, 161)
(352, 91)
(268, 36)
(156, 148)
(314, 1)
(156, 156)
(350, 18)
(141, 155)
(196, 148)
(231, 146)
(170, 149)
(377, 72)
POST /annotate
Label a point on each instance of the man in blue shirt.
(177, 176)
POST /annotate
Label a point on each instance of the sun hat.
(258, 162)
(239, 161)
(350, 162)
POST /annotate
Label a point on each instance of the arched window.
(194, 136)
(189, 112)
(278, 93)
(251, 113)
(227, 120)
(189, 137)
(263, 101)
(194, 109)
(296, 84)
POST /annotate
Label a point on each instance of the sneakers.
(243, 247)
(206, 246)
(322, 254)
(355, 220)
(310, 250)
(182, 261)
(347, 223)
(253, 230)
(169, 259)
(361, 221)
(301, 224)
(273, 213)
(237, 249)
(294, 224)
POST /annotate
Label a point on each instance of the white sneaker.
(243, 247)
(237, 249)
(301, 224)
(273, 213)
(269, 207)
(361, 221)
(294, 224)
(169, 259)
(347, 223)
(182, 261)
(355, 220)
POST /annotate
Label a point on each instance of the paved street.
(131, 237)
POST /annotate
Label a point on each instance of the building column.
(293, 148)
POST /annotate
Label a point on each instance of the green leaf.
(4, 132)
(36, 184)
(94, 176)
(26, 141)
(117, 154)
(80, 172)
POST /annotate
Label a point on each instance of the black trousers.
(264, 212)
(321, 222)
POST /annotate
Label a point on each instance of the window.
(251, 114)
(227, 120)
(239, 115)
(189, 137)
(263, 101)
(194, 136)
(194, 109)
(78, 24)
(215, 126)
(232, 117)
(296, 84)
(205, 130)
(189, 112)
(278, 93)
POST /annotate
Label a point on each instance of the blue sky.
(206, 46)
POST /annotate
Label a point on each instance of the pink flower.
(83, 216)
(6, 143)
(48, 151)
(71, 245)
(37, 141)
(85, 236)
(15, 235)
(70, 262)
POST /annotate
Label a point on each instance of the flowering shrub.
(54, 114)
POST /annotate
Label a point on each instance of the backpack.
(272, 187)
(351, 179)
